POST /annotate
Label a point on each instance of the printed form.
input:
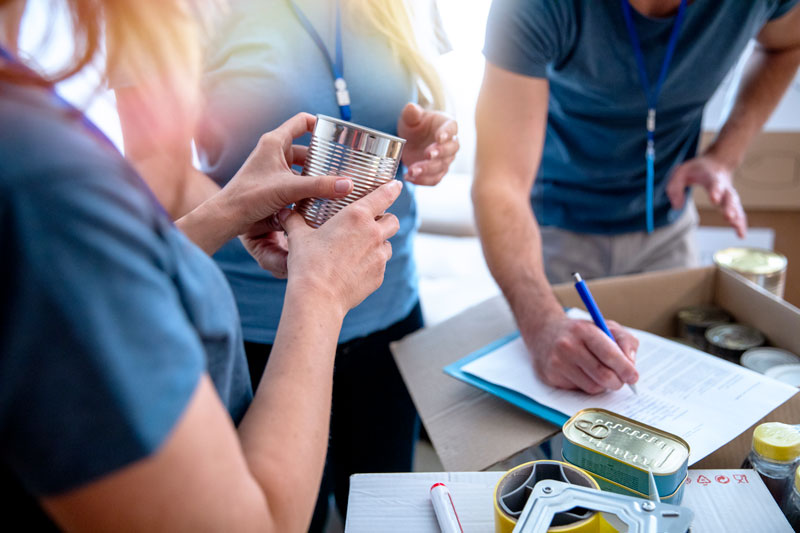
(703, 399)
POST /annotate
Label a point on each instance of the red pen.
(445, 509)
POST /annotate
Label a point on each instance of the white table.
(723, 500)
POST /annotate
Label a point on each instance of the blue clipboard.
(520, 400)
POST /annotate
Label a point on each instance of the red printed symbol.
(741, 478)
(723, 479)
(703, 480)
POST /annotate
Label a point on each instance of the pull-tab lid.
(777, 441)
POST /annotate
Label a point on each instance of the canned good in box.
(730, 341)
(694, 321)
(624, 451)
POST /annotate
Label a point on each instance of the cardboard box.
(722, 500)
(768, 183)
(473, 430)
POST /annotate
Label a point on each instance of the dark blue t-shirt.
(108, 314)
(592, 174)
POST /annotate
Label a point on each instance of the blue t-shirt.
(592, 175)
(108, 314)
(262, 69)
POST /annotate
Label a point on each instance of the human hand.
(576, 354)
(431, 143)
(343, 261)
(266, 182)
(718, 181)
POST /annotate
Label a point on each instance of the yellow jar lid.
(777, 441)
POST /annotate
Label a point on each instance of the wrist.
(725, 160)
(316, 294)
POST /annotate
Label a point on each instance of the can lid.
(777, 441)
(735, 337)
(751, 260)
(763, 358)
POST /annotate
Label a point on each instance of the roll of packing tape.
(512, 492)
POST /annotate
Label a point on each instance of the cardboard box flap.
(750, 304)
(646, 301)
(448, 406)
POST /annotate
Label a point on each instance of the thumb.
(676, 188)
(412, 115)
(300, 187)
(292, 221)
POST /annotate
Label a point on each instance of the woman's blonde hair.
(392, 18)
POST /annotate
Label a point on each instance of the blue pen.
(591, 306)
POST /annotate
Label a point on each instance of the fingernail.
(396, 184)
(342, 185)
(416, 171)
(283, 214)
(434, 154)
(442, 137)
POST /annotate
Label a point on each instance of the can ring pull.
(597, 431)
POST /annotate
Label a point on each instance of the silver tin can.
(763, 267)
(730, 341)
(694, 321)
(368, 157)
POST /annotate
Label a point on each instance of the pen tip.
(633, 388)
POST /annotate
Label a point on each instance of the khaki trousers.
(598, 256)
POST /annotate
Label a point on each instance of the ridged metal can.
(763, 267)
(368, 157)
(695, 320)
(730, 341)
(624, 451)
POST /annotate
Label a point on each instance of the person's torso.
(50, 144)
(592, 176)
(262, 69)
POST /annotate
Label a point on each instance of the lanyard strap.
(653, 93)
(337, 67)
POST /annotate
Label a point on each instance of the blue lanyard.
(337, 67)
(651, 93)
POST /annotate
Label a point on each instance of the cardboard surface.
(723, 500)
(473, 430)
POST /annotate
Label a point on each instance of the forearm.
(766, 78)
(285, 432)
(512, 247)
(211, 224)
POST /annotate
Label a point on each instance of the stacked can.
(694, 321)
(763, 267)
(368, 157)
(619, 453)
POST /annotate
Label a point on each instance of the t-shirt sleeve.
(526, 36)
(98, 359)
(781, 8)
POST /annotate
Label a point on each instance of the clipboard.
(523, 402)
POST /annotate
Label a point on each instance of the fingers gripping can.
(368, 157)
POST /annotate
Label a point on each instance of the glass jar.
(775, 456)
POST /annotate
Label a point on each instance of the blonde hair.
(393, 19)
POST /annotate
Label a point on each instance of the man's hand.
(717, 179)
(431, 143)
(576, 354)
